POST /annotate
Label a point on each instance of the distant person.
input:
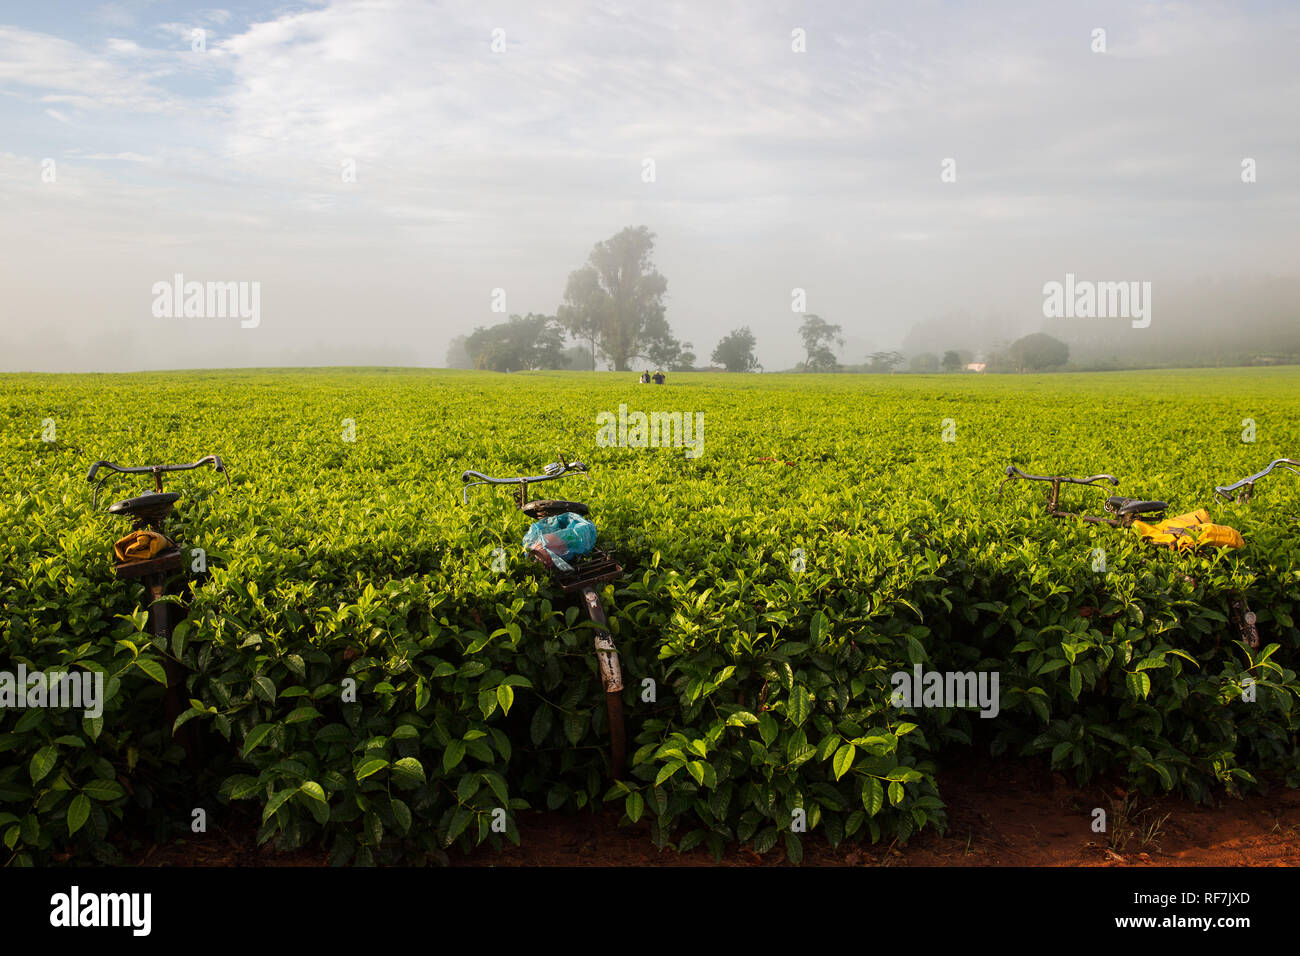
(645, 377)
(659, 378)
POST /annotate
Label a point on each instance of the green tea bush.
(374, 669)
(66, 779)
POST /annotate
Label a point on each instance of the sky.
(379, 168)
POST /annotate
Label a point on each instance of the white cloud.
(816, 167)
(121, 157)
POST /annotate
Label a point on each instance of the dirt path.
(1002, 813)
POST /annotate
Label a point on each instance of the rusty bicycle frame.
(149, 511)
(587, 574)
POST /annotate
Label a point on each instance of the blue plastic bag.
(562, 536)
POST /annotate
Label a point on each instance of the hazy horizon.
(135, 149)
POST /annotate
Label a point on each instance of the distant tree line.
(613, 309)
(613, 306)
(534, 341)
(1037, 352)
(1032, 353)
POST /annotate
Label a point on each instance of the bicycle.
(586, 574)
(149, 512)
(1124, 511)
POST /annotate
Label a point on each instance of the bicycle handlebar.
(1248, 482)
(214, 460)
(155, 470)
(1013, 472)
(556, 469)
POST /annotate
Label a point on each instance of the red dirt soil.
(1000, 813)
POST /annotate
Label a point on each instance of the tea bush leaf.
(43, 762)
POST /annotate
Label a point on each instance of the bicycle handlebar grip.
(90, 476)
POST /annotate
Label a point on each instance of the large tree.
(1038, 351)
(672, 355)
(818, 336)
(883, 361)
(736, 351)
(615, 302)
(524, 342)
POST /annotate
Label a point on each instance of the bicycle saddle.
(550, 507)
(147, 508)
(1118, 505)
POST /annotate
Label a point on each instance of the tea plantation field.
(366, 671)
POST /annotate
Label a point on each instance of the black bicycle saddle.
(550, 507)
(1123, 507)
(150, 507)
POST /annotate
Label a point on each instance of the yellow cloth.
(1190, 531)
(140, 545)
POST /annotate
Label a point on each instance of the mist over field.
(394, 175)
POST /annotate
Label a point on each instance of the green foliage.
(820, 338)
(524, 342)
(365, 678)
(884, 362)
(735, 351)
(1035, 352)
(615, 303)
